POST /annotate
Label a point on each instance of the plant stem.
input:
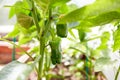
(42, 45)
(42, 38)
(77, 50)
(97, 37)
(86, 64)
(40, 67)
(41, 41)
(118, 71)
(13, 51)
(35, 19)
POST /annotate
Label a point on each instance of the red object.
(6, 54)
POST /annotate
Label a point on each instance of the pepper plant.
(39, 20)
(47, 21)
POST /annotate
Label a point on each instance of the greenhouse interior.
(59, 39)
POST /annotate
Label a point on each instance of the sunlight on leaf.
(14, 33)
(97, 8)
(104, 40)
(15, 71)
(103, 63)
(116, 35)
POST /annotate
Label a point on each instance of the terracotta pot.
(6, 54)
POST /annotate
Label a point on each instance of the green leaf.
(82, 35)
(34, 49)
(43, 4)
(15, 71)
(104, 40)
(103, 63)
(97, 8)
(23, 30)
(21, 6)
(12, 12)
(30, 4)
(72, 7)
(72, 33)
(58, 2)
(116, 45)
(95, 53)
(24, 20)
(24, 39)
(105, 37)
(73, 16)
(101, 19)
(14, 33)
(63, 9)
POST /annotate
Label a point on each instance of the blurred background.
(73, 64)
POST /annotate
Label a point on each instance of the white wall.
(4, 12)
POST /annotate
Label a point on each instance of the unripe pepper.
(62, 30)
(55, 51)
